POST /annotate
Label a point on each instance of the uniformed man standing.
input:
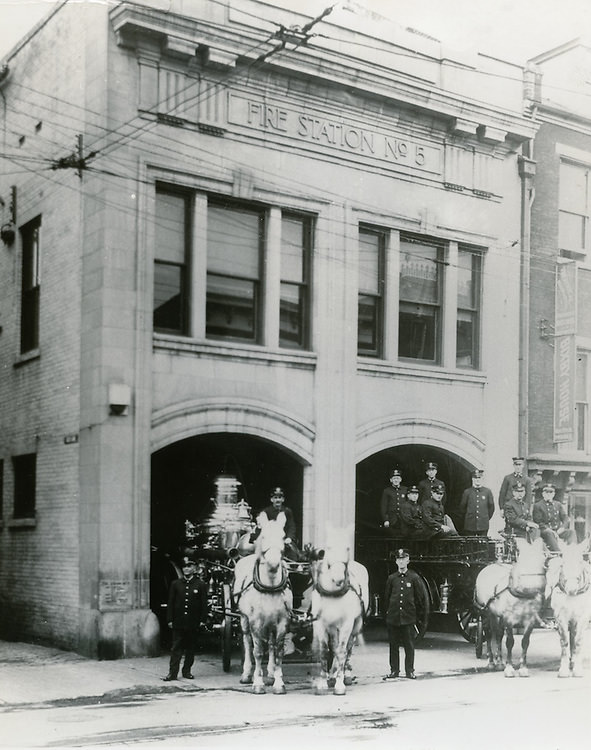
(551, 517)
(509, 481)
(476, 507)
(390, 505)
(187, 609)
(426, 485)
(406, 604)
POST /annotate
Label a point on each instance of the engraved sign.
(340, 134)
(565, 352)
(114, 595)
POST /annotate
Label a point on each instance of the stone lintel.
(464, 127)
(219, 58)
(492, 135)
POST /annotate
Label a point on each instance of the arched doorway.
(182, 488)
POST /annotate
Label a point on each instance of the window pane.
(292, 249)
(233, 241)
(419, 273)
(417, 330)
(30, 285)
(581, 426)
(231, 307)
(25, 468)
(168, 307)
(465, 339)
(291, 306)
(369, 260)
(582, 393)
(571, 232)
(170, 227)
(573, 188)
(367, 335)
(466, 280)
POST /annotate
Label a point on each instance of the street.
(464, 709)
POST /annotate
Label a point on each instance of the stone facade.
(390, 137)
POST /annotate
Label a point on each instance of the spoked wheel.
(226, 629)
(467, 621)
(423, 622)
(479, 637)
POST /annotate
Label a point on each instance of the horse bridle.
(338, 592)
(261, 587)
(585, 582)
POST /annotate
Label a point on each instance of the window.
(295, 259)
(25, 480)
(468, 316)
(234, 246)
(371, 293)
(574, 210)
(1, 489)
(30, 282)
(170, 268)
(419, 323)
(582, 401)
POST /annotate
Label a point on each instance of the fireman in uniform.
(509, 481)
(412, 515)
(428, 484)
(518, 520)
(437, 522)
(551, 517)
(406, 604)
(391, 505)
(187, 609)
(476, 507)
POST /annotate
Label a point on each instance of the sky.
(513, 30)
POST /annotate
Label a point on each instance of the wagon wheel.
(423, 621)
(226, 629)
(467, 621)
(479, 637)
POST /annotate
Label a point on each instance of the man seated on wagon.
(551, 517)
(412, 515)
(518, 520)
(434, 517)
(271, 511)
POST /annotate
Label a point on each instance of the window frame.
(378, 297)
(303, 286)
(475, 310)
(584, 252)
(30, 285)
(25, 487)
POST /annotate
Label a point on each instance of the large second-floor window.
(234, 244)
(25, 485)
(419, 323)
(468, 315)
(171, 234)
(574, 211)
(371, 292)
(30, 285)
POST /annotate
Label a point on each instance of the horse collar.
(261, 587)
(585, 583)
(338, 592)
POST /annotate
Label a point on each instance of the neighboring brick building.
(291, 257)
(558, 440)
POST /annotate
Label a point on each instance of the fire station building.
(246, 240)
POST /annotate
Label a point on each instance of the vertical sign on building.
(565, 352)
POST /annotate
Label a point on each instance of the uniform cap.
(188, 561)
(477, 474)
(518, 486)
(432, 465)
(414, 488)
(549, 487)
(395, 473)
(437, 490)
(402, 552)
(277, 492)
(517, 458)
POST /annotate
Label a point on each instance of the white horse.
(510, 596)
(265, 602)
(340, 598)
(569, 580)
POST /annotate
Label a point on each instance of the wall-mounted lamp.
(119, 399)
(8, 234)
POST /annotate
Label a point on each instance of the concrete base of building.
(119, 635)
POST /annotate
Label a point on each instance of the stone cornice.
(218, 43)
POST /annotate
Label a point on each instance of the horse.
(510, 596)
(569, 580)
(340, 599)
(265, 601)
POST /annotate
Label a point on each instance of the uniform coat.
(477, 506)
(426, 485)
(390, 508)
(433, 515)
(406, 603)
(412, 517)
(549, 515)
(517, 515)
(186, 610)
(506, 491)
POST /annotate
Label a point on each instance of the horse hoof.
(563, 673)
(349, 680)
(523, 672)
(509, 672)
(258, 689)
(279, 690)
(578, 673)
(245, 680)
(340, 690)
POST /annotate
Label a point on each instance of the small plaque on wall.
(114, 595)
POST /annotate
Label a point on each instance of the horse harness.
(584, 586)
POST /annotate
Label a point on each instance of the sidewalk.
(31, 674)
